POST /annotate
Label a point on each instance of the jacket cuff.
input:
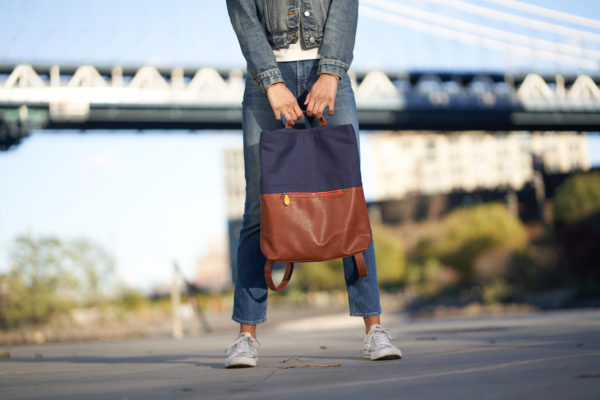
(333, 66)
(268, 77)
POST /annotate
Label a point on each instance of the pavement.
(549, 355)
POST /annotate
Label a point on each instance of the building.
(430, 163)
(235, 184)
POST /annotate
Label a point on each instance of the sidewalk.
(553, 355)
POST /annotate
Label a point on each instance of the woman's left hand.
(321, 95)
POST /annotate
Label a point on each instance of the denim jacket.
(264, 25)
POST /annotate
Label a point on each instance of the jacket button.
(306, 13)
(312, 40)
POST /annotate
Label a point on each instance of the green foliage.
(466, 233)
(577, 198)
(497, 291)
(426, 278)
(391, 260)
(131, 299)
(92, 265)
(329, 275)
(323, 275)
(48, 276)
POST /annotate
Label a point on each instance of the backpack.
(312, 203)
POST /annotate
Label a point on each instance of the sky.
(157, 197)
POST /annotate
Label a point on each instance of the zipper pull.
(286, 199)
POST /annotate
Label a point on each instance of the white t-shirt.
(296, 52)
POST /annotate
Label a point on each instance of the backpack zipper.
(287, 196)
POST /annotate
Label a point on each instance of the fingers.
(315, 108)
(283, 103)
(291, 114)
(321, 95)
(310, 105)
(319, 110)
(314, 105)
(297, 110)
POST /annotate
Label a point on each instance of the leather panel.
(314, 227)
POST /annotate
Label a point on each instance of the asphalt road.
(552, 355)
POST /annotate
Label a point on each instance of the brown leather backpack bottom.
(314, 226)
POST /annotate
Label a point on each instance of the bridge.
(86, 97)
(96, 97)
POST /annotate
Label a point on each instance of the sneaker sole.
(382, 356)
(388, 357)
(241, 362)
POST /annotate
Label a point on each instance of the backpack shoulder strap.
(361, 266)
(289, 269)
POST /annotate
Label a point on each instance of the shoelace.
(379, 337)
(243, 344)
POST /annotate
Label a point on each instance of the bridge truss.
(94, 97)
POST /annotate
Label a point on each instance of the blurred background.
(121, 169)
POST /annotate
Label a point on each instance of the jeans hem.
(371, 314)
(245, 322)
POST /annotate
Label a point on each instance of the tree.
(467, 232)
(577, 198)
(329, 275)
(576, 206)
(47, 276)
(391, 260)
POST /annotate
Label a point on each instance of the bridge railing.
(150, 85)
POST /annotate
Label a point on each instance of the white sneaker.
(243, 352)
(378, 347)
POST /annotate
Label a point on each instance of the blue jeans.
(250, 295)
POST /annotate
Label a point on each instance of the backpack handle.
(289, 269)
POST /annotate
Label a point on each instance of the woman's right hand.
(283, 103)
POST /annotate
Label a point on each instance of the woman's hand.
(284, 102)
(321, 95)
